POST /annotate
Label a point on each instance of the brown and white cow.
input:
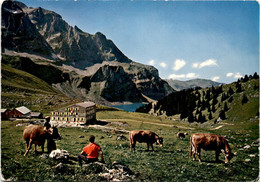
(37, 134)
(144, 136)
(209, 141)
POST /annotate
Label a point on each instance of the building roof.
(35, 114)
(3, 110)
(23, 110)
(86, 104)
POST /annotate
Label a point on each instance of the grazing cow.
(209, 141)
(37, 134)
(181, 135)
(144, 136)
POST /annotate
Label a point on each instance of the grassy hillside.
(197, 105)
(21, 88)
(168, 163)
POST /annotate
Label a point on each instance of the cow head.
(159, 141)
(54, 133)
(228, 156)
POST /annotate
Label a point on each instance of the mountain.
(180, 85)
(212, 104)
(78, 64)
(21, 88)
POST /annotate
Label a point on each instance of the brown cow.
(37, 134)
(144, 136)
(209, 141)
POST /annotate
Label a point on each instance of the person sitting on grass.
(90, 152)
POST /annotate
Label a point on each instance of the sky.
(216, 40)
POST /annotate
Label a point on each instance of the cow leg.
(35, 148)
(43, 147)
(217, 155)
(152, 147)
(147, 147)
(198, 154)
(29, 147)
(132, 146)
(193, 152)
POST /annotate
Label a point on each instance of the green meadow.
(168, 163)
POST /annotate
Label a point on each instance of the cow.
(209, 141)
(144, 136)
(181, 135)
(37, 134)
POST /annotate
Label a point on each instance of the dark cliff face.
(113, 76)
(72, 44)
(18, 33)
(117, 85)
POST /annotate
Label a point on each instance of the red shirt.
(92, 150)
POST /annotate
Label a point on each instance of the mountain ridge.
(76, 56)
(193, 83)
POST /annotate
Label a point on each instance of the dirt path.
(217, 127)
(145, 122)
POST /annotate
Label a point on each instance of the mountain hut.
(80, 113)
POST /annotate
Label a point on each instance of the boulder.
(247, 147)
(121, 137)
(59, 155)
(118, 172)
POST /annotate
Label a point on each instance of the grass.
(168, 163)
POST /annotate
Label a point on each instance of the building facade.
(80, 113)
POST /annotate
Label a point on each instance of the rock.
(247, 147)
(81, 136)
(96, 167)
(247, 160)
(59, 155)
(256, 143)
(44, 156)
(102, 137)
(119, 172)
(219, 120)
(59, 166)
(252, 155)
(121, 137)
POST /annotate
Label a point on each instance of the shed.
(20, 112)
(5, 114)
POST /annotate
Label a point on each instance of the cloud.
(208, 62)
(216, 78)
(164, 65)
(230, 74)
(195, 65)
(238, 75)
(234, 75)
(191, 75)
(152, 62)
(182, 76)
(178, 64)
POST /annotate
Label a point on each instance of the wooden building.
(20, 112)
(80, 113)
(5, 114)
